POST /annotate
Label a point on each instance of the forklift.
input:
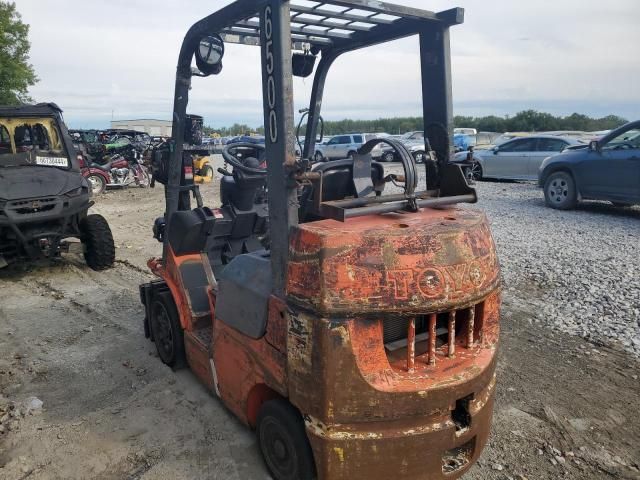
(355, 329)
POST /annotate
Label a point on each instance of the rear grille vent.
(421, 336)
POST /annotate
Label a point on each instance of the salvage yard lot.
(566, 407)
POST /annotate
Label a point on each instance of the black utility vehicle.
(43, 197)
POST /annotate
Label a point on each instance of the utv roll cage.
(325, 29)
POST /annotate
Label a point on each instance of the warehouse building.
(152, 127)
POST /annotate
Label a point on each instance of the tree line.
(525, 121)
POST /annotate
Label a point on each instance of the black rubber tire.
(318, 157)
(560, 191)
(101, 184)
(166, 331)
(207, 172)
(283, 442)
(351, 155)
(419, 156)
(475, 172)
(388, 157)
(99, 249)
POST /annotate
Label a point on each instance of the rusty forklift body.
(356, 331)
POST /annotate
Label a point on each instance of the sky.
(116, 60)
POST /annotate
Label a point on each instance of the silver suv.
(341, 146)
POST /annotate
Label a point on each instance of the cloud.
(117, 59)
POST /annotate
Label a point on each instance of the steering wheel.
(236, 163)
(408, 164)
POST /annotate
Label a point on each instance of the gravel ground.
(566, 407)
(581, 265)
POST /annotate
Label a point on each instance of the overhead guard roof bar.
(342, 24)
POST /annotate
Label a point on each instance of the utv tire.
(97, 183)
(560, 191)
(166, 330)
(99, 249)
(283, 442)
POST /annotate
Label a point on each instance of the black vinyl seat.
(337, 184)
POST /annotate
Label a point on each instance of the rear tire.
(351, 155)
(166, 330)
(318, 157)
(388, 157)
(283, 442)
(560, 191)
(207, 172)
(99, 249)
(97, 183)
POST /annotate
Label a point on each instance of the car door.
(329, 150)
(509, 160)
(546, 147)
(612, 172)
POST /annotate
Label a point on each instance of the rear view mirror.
(496, 150)
(302, 64)
(209, 53)
(594, 145)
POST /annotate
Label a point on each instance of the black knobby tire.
(319, 157)
(99, 249)
(166, 330)
(283, 442)
(560, 191)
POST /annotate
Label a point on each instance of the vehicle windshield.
(31, 141)
(629, 140)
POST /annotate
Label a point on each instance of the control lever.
(224, 172)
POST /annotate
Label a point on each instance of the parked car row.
(566, 167)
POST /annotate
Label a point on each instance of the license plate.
(52, 161)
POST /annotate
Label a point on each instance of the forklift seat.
(337, 184)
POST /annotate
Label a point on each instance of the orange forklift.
(355, 329)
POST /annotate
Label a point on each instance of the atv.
(44, 200)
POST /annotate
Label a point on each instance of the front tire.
(418, 157)
(167, 331)
(560, 191)
(283, 442)
(99, 248)
(475, 172)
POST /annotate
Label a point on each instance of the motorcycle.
(120, 170)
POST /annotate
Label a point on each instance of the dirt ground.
(73, 338)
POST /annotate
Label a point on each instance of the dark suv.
(44, 199)
(608, 169)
